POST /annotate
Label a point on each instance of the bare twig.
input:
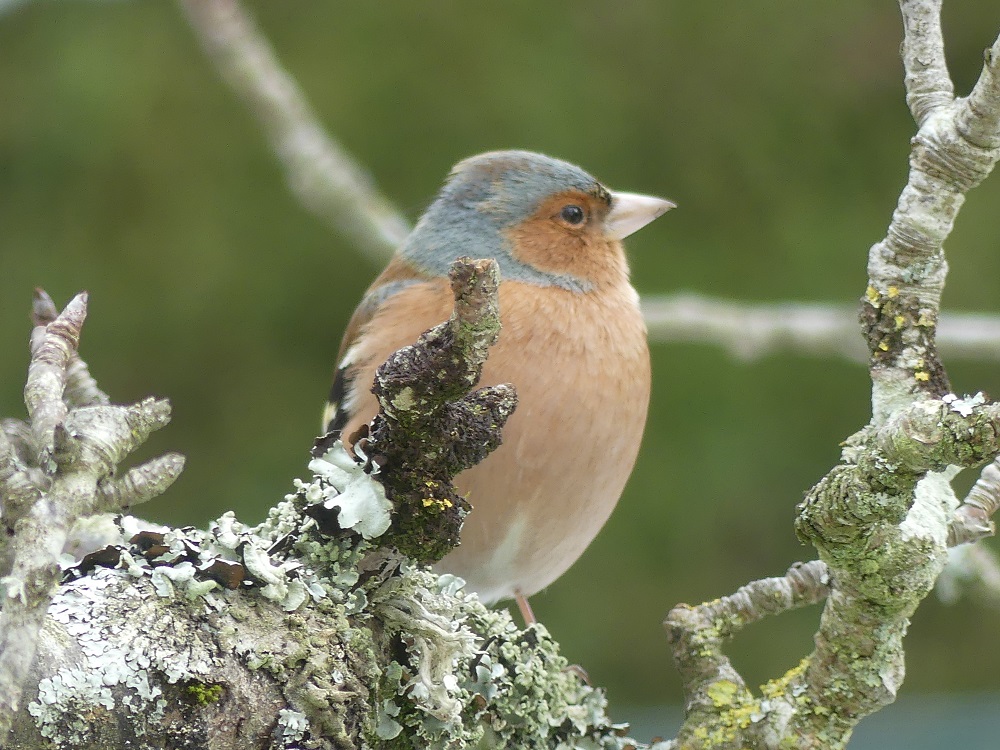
(325, 178)
(979, 114)
(52, 347)
(749, 330)
(974, 518)
(140, 483)
(80, 388)
(928, 85)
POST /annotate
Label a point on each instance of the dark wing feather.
(397, 276)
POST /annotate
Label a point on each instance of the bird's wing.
(397, 276)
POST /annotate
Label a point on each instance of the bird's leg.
(526, 613)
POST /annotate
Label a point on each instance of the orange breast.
(580, 364)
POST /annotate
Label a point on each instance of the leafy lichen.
(357, 646)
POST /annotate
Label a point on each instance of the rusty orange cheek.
(545, 245)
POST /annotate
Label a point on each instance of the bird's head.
(546, 221)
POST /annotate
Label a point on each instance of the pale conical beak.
(631, 212)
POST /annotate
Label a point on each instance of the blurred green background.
(127, 168)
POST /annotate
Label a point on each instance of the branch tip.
(43, 309)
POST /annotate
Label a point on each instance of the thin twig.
(928, 85)
(973, 519)
(750, 330)
(979, 115)
(326, 179)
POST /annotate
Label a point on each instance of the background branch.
(324, 177)
(329, 182)
(750, 330)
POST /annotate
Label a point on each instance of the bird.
(572, 342)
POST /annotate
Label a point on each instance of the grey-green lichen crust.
(326, 641)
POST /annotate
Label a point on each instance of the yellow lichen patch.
(922, 375)
(900, 320)
(883, 345)
(777, 687)
(872, 295)
(440, 503)
(892, 291)
(723, 692)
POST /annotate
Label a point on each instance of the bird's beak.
(631, 212)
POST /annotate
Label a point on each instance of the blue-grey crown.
(483, 196)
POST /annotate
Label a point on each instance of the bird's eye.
(572, 214)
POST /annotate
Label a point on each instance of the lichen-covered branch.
(430, 428)
(313, 617)
(928, 85)
(721, 711)
(883, 518)
(51, 471)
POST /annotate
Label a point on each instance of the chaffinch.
(573, 343)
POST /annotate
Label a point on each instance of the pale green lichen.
(473, 677)
(439, 669)
(341, 482)
(122, 654)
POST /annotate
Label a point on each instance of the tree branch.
(313, 617)
(328, 181)
(80, 388)
(928, 85)
(979, 114)
(720, 708)
(71, 450)
(882, 519)
(430, 428)
(751, 330)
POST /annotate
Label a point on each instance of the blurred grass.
(126, 168)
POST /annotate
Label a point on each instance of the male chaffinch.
(572, 342)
